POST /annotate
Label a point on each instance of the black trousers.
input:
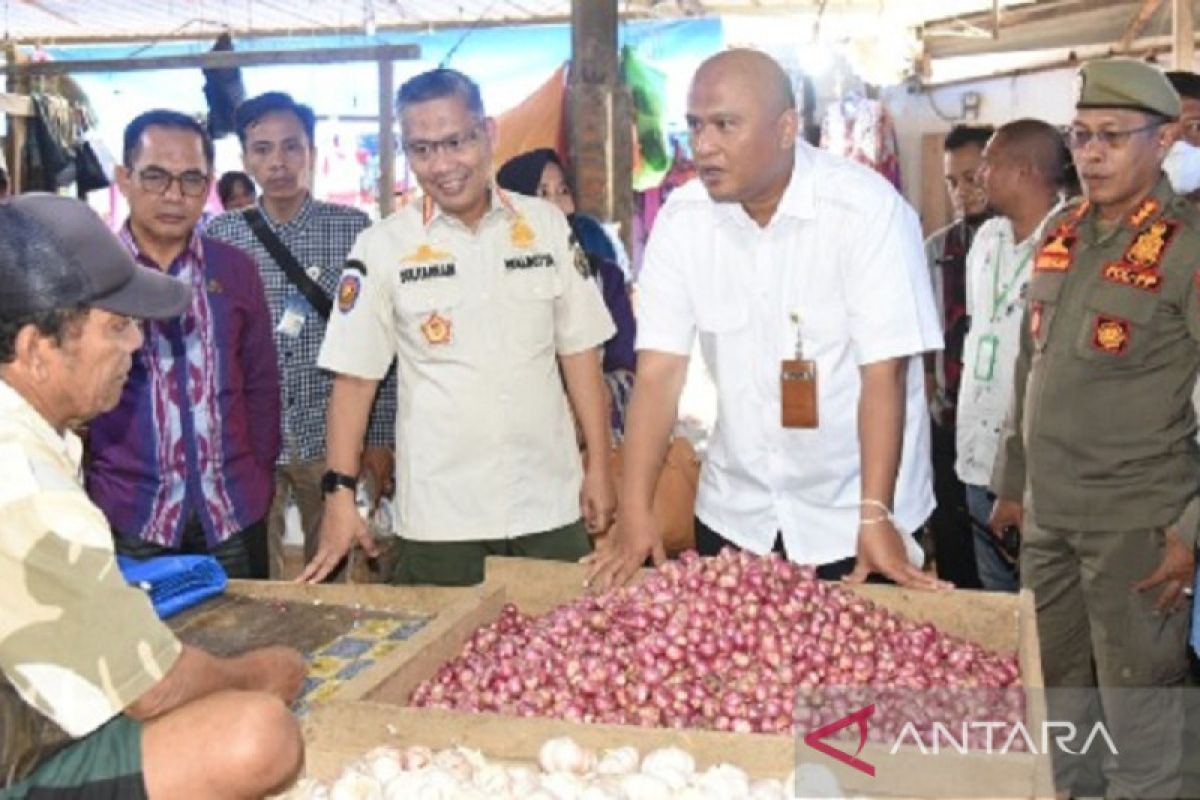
(242, 555)
(950, 522)
(711, 543)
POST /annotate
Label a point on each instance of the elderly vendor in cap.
(97, 697)
(1098, 464)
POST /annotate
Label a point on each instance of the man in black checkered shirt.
(277, 150)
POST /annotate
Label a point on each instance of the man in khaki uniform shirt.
(483, 297)
(1099, 443)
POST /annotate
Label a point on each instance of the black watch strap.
(332, 481)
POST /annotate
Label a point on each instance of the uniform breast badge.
(349, 288)
(1110, 335)
(436, 329)
(520, 234)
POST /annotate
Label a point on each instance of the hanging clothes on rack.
(49, 149)
(862, 129)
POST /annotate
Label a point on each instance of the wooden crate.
(376, 711)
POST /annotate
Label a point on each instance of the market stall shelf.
(375, 708)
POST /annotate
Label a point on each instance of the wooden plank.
(1140, 18)
(420, 655)
(1183, 35)
(222, 59)
(17, 105)
(424, 599)
(933, 203)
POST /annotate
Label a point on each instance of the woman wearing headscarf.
(540, 173)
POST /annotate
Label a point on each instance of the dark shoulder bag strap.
(287, 262)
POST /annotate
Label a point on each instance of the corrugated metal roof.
(66, 21)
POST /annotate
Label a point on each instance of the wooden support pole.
(387, 138)
(600, 116)
(1183, 36)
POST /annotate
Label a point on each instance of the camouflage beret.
(1127, 83)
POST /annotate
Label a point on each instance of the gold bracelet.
(874, 521)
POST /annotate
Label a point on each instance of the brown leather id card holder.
(798, 393)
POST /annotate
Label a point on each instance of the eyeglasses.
(1191, 129)
(192, 183)
(1079, 138)
(456, 145)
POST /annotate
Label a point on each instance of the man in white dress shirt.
(1022, 172)
(805, 277)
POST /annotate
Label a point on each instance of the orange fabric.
(537, 121)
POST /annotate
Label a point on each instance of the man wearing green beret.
(1098, 462)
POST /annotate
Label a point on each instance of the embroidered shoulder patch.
(348, 291)
(1055, 253)
(1147, 249)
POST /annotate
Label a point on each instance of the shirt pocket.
(531, 296)
(427, 315)
(1117, 325)
(1042, 297)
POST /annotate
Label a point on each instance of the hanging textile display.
(648, 85)
(862, 129)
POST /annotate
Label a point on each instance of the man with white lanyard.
(804, 276)
(1022, 173)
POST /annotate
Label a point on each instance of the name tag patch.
(416, 274)
(531, 261)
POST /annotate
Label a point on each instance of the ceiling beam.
(1143, 15)
(221, 59)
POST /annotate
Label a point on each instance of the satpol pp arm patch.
(350, 286)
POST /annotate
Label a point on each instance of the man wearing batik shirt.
(946, 252)
(184, 463)
(276, 134)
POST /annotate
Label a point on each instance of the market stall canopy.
(67, 21)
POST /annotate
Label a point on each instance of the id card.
(798, 393)
(985, 357)
(295, 311)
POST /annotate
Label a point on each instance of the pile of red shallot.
(737, 642)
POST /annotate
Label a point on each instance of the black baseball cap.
(60, 254)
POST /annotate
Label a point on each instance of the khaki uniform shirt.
(1102, 430)
(76, 642)
(485, 444)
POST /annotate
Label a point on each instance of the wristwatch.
(332, 481)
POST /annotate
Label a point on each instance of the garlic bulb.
(768, 789)
(492, 779)
(522, 781)
(382, 763)
(415, 757)
(354, 784)
(644, 786)
(725, 780)
(564, 755)
(604, 787)
(563, 785)
(618, 761)
(670, 758)
(457, 762)
(694, 792)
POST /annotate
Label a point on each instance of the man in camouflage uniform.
(98, 698)
(1098, 461)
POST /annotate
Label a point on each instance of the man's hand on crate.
(881, 551)
(634, 538)
(341, 527)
